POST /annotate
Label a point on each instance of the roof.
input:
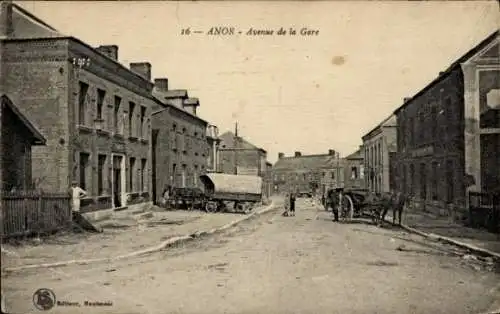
(159, 97)
(356, 155)
(175, 93)
(192, 102)
(26, 25)
(231, 183)
(37, 137)
(390, 121)
(229, 141)
(452, 67)
(305, 162)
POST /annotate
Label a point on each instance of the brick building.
(93, 111)
(380, 148)
(449, 132)
(238, 156)
(180, 139)
(17, 136)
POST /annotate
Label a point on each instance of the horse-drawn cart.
(243, 191)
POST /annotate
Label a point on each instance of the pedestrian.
(292, 204)
(165, 197)
(77, 193)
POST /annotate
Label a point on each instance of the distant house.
(354, 171)
(307, 173)
(17, 137)
(238, 156)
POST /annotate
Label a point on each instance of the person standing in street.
(334, 203)
(77, 194)
(292, 204)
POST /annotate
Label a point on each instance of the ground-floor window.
(143, 175)
(131, 174)
(450, 181)
(84, 166)
(423, 182)
(434, 180)
(101, 165)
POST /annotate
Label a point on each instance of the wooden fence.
(34, 212)
(484, 210)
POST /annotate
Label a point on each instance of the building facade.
(238, 156)
(380, 148)
(181, 149)
(213, 148)
(355, 171)
(306, 173)
(93, 112)
(448, 133)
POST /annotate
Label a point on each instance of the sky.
(288, 92)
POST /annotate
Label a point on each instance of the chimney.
(406, 99)
(6, 26)
(298, 154)
(142, 68)
(111, 51)
(281, 155)
(331, 152)
(161, 84)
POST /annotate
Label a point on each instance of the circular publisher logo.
(44, 299)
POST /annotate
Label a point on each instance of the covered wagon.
(243, 191)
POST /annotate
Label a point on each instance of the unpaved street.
(275, 264)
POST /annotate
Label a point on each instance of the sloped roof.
(356, 155)
(390, 121)
(37, 137)
(228, 141)
(483, 44)
(26, 25)
(175, 93)
(308, 162)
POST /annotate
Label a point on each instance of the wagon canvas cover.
(230, 186)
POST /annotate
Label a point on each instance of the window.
(131, 173)
(100, 174)
(434, 178)
(100, 103)
(143, 131)
(143, 175)
(116, 116)
(131, 124)
(423, 182)
(332, 174)
(354, 173)
(411, 132)
(305, 177)
(174, 174)
(361, 172)
(82, 102)
(84, 170)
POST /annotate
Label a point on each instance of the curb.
(156, 248)
(433, 236)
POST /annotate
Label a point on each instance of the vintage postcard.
(250, 157)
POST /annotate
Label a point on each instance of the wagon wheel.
(348, 207)
(209, 208)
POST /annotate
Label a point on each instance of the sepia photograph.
(247, 157)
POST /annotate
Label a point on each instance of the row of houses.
(317, 173)
(73, 112)
(443, 142)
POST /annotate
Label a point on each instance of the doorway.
(118, 181)
(154, 143)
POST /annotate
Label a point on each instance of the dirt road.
(274, 264)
